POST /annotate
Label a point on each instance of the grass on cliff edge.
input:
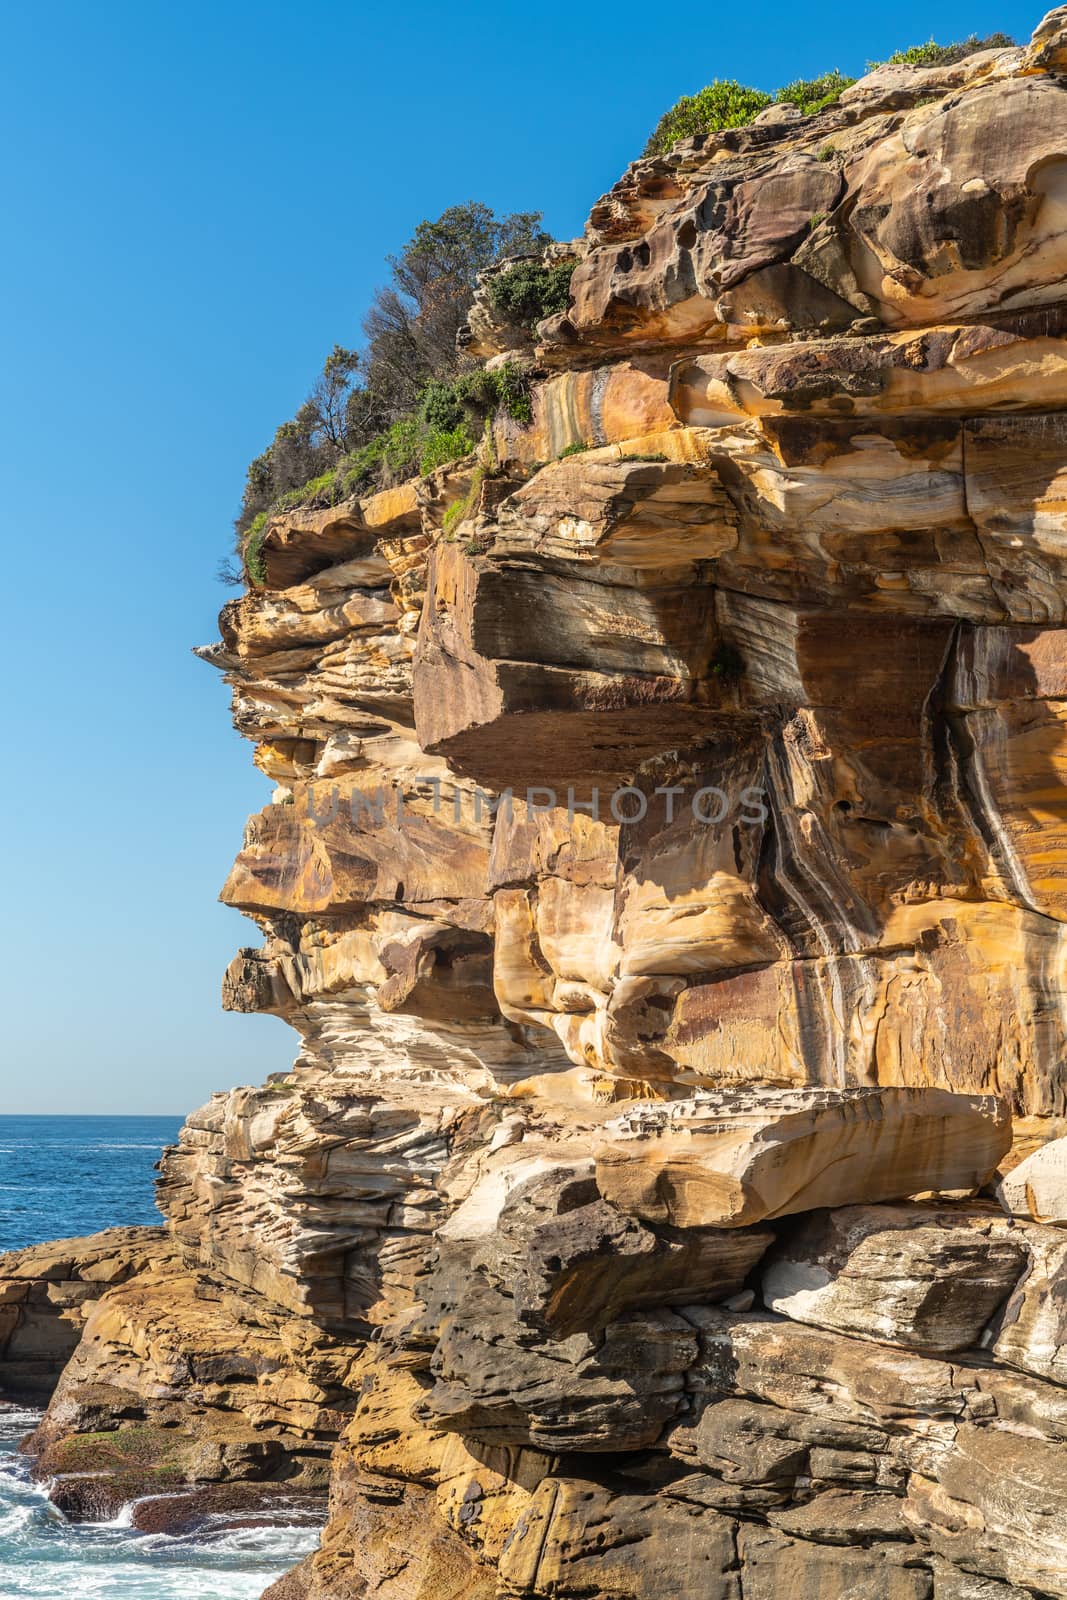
(725, 103)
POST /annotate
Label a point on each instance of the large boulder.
(1037, 1187)
(1032, 1328)
(577, 1538)
(732, 1159)
(927, 1277)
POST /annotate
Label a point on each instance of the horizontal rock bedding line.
(839, 1380)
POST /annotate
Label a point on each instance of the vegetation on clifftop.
(407, 402)
(722, 104)
(727, 104)
(530, 291)
(932, 54)
(810, 95)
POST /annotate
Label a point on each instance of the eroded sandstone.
(665, 877)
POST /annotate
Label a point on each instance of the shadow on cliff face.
(904, 880)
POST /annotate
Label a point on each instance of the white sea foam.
(43, 1556)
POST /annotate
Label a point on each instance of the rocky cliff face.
(666, 880)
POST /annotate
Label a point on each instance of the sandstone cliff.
(665, 877)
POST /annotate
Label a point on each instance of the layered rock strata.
(665, 877)
(168, 1387)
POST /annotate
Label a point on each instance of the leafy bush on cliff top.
(530, 291)
(442, 445)
(722, 104)
(477, 394)
(814, 94)
(728, 104)
(932, 54)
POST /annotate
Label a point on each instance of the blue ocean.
(59, 1177)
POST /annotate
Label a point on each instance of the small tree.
(364, 409)
(329, 397)
(412, 325)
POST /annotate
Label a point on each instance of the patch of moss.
(140, 1445)
(458, 512)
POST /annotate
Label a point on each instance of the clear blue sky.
(198, 202)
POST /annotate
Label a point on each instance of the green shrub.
(394, 453)
(932, 54)
(401, 446)
(506, 388)
(442, 445)
(728, 104)
(574, 449)
(722, 104)
(511, 386)
(530, 291)
(443, 427)
(356, 471)
(441, 406)
(814, 94)
(255, 566)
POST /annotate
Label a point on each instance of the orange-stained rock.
(596, 406)
(943, 371)
(680, 813)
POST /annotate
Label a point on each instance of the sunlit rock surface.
(666, 876)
